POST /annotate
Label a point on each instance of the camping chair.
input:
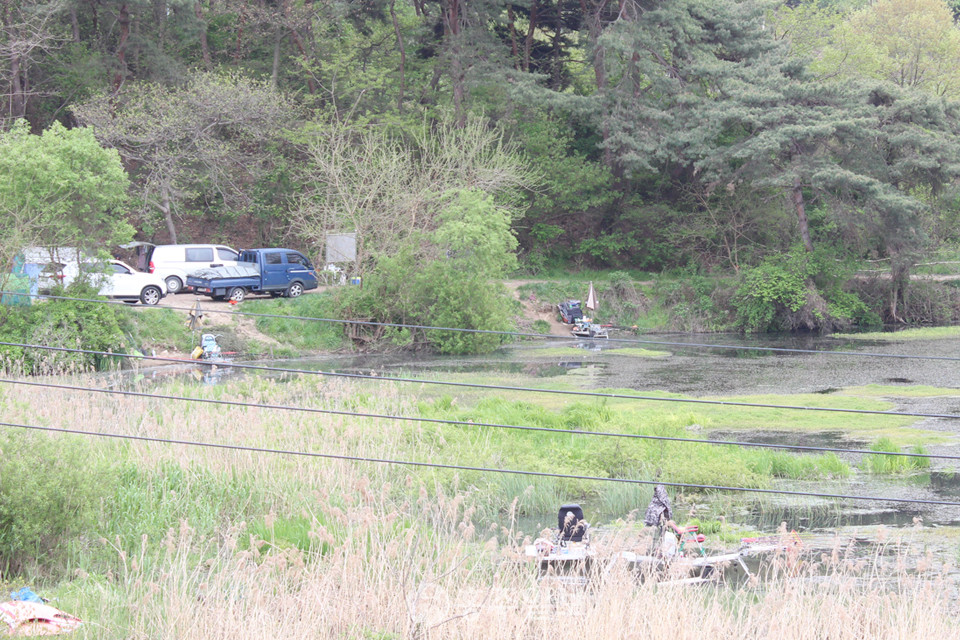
(689, 536)
(570, 523)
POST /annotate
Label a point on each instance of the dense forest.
(778, 142)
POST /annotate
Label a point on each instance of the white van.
(174, 262)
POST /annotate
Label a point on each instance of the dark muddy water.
(715, 371)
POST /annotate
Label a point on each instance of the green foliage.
(766, 291)
(61, 188)
(798, 290)
(449, 281)
(89, 326)
(51, 492)
(894, 464)
(688, 300)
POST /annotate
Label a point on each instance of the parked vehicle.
(570, 311)
(176, 262)
(113, 279)
(123, 282)
(273, 271)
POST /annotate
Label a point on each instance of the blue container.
(357, 280)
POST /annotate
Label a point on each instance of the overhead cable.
(477, 385)
(437, 465)
(471, 423)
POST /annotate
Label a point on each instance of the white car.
(123, 282)
(113, 279)
(175, 262)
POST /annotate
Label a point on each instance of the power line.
(517, 334)
(437, 465)
(382, 416)
(477, 385)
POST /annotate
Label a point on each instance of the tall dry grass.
(395, 552)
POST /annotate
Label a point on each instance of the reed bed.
(190, 542)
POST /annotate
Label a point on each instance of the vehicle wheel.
(151, 295)
(174, 284)
(237, 294)
(294, 290)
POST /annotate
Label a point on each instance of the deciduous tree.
(204, 137)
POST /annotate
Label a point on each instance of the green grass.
(300, 335)
(159, 329)
(605, 457)
(707, 416)
(286, 533)
(782, 464)
(563, 273)
(898, 391)
(637, 352)
(888, 465)
(920, 333)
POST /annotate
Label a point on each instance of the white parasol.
(591, 299)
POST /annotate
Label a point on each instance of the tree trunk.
(238, 49)
(599, 65)
(403, 54)
(164, 207)
(528, 41)
(18, 101)
(451, 22)
(298, 41)
(557, 75)
(514, 50)
(798, 205)
(74, 24)
(899, 280)
(204, 43)
(123, 20)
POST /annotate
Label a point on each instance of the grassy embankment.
(165, 329)
(144, 539)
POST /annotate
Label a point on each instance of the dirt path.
(245, 327)
(535, 309)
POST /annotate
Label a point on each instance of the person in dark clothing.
(659, 510)
(660, 515)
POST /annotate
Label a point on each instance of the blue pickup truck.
(278, 272)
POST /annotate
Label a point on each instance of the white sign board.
(341, 247)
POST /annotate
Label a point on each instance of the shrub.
(797, 291)
(51, 490)
(446, 278)
(92, 326)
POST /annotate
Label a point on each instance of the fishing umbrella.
(591, 299)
